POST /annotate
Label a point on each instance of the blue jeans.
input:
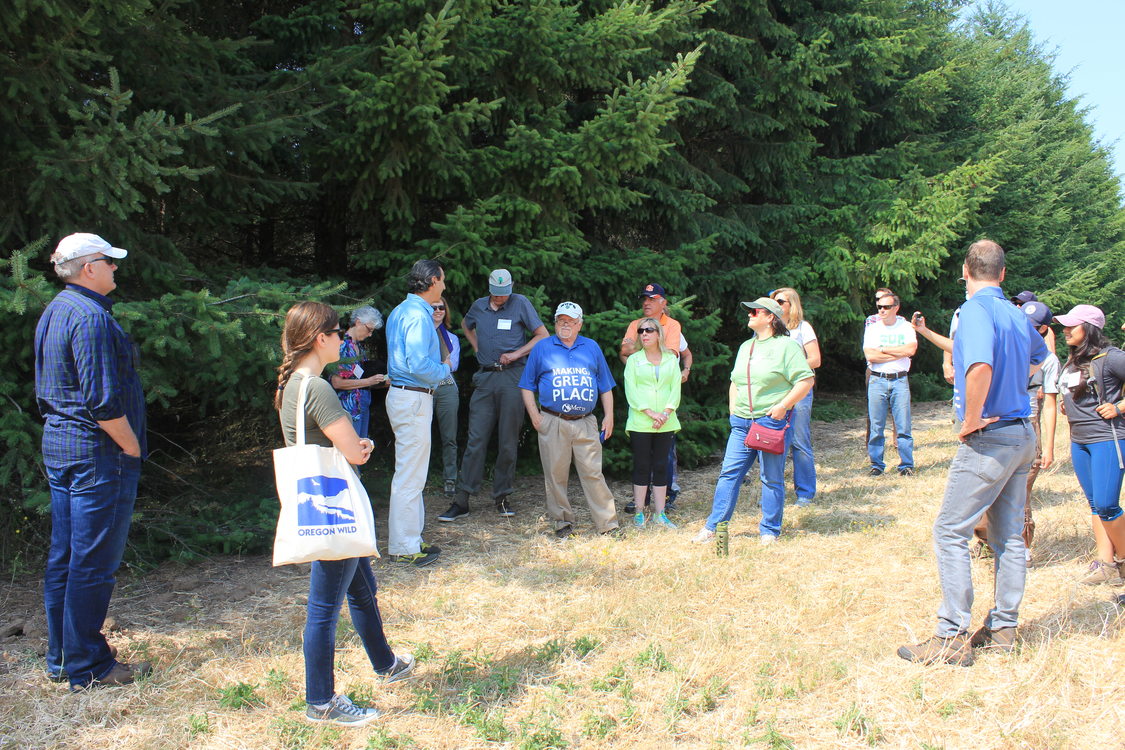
(91, 509)
(736, 462)
(1095, 465)
(362, 421)
(988, 473)
(798, 442)
(894, 396)
(329, 581)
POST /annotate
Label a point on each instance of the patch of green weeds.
(489, 725)
(363, 696)
(540, 735)
(839, 670)
(199, 724)
(276, 679)
(856, 724)
(584, 645)
(772, 739)
(707, 699)
(766, 688)
(928, 746)
(426, 701)
(612, 680)
(549, 652)
(381, 739)
(240, 695)
(835, 411)
(294, 734)
(423, 652)
(918, 690)
(653, 657)
(566, 687)
(598, 726)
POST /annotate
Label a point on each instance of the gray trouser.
(496, 402)
(447, 402)
(988, 474)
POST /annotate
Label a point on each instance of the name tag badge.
(503, 324)
(358, 371)
(1070, 380)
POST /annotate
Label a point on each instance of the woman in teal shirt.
(652, 387)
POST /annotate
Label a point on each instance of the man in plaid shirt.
(90, 396)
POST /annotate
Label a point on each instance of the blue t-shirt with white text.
(569, 380)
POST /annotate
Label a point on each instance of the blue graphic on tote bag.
(314, 507)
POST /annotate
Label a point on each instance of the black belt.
(499, 367)
(1004, 423)
(889, 375)
(414, 388)
(567, 417)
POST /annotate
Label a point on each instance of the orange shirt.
(671, 332)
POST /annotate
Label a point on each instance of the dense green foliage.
(254, 155)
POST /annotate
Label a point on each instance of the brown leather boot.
(1001, 639)
(954, 650)
(121, 674)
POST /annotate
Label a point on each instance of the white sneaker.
(705, 535)
(766, 540)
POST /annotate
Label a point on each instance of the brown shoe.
(123, 674)
(1102, 572)
(955, 650)
(64, 677)
(1001, 639)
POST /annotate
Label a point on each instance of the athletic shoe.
(340, 710)
(504, 508)
(662, 519)
(1102, 572)
(766, 540)
(639, 519)
(804, 502)
(705, 535)
(418, 559)
(874, 472)
(565, 532)
(954, 650)
(455, 511)
(907, 472)
(402, 669)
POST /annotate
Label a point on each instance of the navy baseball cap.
(653, 290)
(1039, 313)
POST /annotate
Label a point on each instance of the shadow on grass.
(1100, 618)
(834, 521)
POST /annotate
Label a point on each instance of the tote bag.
(325, 511)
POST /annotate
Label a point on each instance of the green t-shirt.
(322, 408)
(778, 364)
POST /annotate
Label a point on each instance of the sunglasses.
(110, 261)
(646, 330)
(884, 307)
(438, 308)
(758, 311)
(781, 301)
(337, 331)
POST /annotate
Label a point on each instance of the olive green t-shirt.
(322, 408)
(778, 364)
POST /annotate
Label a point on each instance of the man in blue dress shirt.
(414, 367)
(90, 396)
(995, 351)
(570, 375)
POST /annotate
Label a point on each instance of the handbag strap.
(1103, 393)
(300, 420)
(749, 395)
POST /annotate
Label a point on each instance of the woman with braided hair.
(310, 341)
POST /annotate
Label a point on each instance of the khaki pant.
(559, 440)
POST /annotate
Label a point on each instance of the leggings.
(1095, 465)
(650, 457)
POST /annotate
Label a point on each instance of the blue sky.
(1087, 39)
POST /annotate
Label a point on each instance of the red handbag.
(759, 437)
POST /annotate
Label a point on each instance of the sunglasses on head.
(646, 330)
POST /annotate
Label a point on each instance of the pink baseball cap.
(1082, 314)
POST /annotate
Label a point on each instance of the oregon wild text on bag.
(325, 511)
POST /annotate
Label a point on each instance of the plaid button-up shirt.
(85, 372)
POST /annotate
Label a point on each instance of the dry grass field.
(646, 642)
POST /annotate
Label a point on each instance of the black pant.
(650, 457)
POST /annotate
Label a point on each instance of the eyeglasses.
(337, 331)
(646, 330)
(109, 261)
(885, 307)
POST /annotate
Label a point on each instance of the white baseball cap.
(81, 244)
(570, 309)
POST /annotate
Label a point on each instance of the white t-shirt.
(803, 333)
(881, 335)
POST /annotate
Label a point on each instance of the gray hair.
(369, 316)
(67, 270)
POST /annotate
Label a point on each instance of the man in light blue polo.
(995, 350)
(570, 375)
(414, 367)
